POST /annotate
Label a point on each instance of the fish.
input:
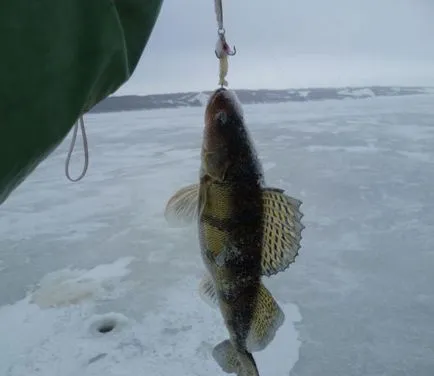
(246, 230)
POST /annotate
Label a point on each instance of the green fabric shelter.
(59, 58)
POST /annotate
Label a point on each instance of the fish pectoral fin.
(208, 292)
(282, 230)
(267, 319)
(182, 207)
(226, 357)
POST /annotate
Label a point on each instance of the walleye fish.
(246, 231)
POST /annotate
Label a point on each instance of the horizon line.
(273, 89)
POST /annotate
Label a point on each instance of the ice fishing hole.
(106, 326)
(107, 323)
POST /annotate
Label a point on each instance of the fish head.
(222, 141)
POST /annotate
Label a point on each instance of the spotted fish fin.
(267, 319)
(232, 361)
(207, 291)
(282, 230)
(226, 356)
(182, 207)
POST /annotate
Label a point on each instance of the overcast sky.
(289, 44)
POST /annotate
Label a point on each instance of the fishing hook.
(232, 52)
(226, 49)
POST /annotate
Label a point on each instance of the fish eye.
(221, 117)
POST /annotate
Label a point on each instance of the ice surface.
(176, 339)
(66, 287)
(358, 301)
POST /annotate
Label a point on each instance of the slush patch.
(71, 286)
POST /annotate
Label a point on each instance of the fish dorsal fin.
(207, 291)
(182, 207)
(282, 229)
(267, 319)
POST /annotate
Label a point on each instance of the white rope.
(71, 149)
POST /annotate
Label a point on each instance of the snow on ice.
(93, 282)
(56, 330)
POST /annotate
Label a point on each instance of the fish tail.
(232, 360)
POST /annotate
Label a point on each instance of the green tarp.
(58, 59)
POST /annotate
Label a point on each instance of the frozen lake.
(358, 301)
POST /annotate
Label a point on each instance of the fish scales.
(246, 231)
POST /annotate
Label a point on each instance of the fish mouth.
(217, 111)
(216, 95)
(220, 89)
(223, 105)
